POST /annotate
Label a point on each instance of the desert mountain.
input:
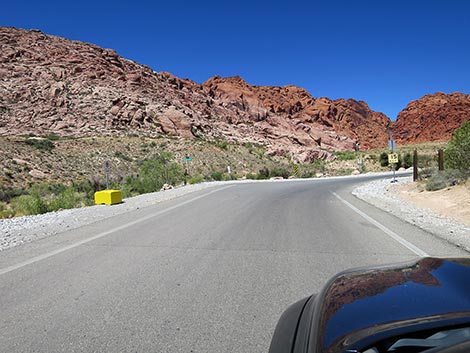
(433, 117)
(50, 84)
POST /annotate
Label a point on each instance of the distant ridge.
(49, 84)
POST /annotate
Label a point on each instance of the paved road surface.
(207, 272)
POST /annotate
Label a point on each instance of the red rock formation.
(433, 117)
(314, 119)
(50, 84)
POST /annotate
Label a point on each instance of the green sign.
(187, 159)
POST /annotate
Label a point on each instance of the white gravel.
(380, 194)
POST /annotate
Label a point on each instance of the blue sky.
(386, 53)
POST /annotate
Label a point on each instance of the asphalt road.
(208, 272)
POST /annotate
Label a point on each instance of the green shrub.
(40, 143)
(279, 172)
(218, 176)
(345, 155)
(263, 174)
(52, 137)
(223, 145)
(65, 199)
(457, 153)
(442, 179)
(407, 160)
(196, 179)
(153, 173)
(42, 198)
(5, 211)
(383, 159)
(6, 193)
(28, 205)
(427, 161)
(120, 155)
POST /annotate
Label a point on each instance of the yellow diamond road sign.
(393, 158)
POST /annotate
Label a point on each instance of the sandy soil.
(453, 202)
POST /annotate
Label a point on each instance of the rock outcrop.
(50, 84)
(433, 117)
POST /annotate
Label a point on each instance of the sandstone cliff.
(50, 84)
(433, 117)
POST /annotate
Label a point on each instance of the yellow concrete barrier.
(108, 197)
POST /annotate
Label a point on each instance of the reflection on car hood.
(360, 303)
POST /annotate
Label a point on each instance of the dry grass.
(22, 164)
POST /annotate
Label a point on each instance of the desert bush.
(345, 155)
(442, 179)
(153, 173)
(30, 204)
(383, 159)
(196, 179)
(5, 211)
(263, 173)
(40, 143)
(52, 137)
(279, 172)
(218, 176)
(47, 197)
(6, 193)
(407, 160)
(457, 153)
(427, 161)
(65, 199)
(223, 145)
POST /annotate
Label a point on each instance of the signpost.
(186, 160)
(107, 169)
(296, 171)
(359, 163)
(392, 157)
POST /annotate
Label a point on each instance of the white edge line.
(386, 230)
(87, 240)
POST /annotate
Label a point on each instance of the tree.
(157, 171)
(457, 153)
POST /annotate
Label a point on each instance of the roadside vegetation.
(456, 162)
(50, 173)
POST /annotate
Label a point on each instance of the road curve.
(207, 272)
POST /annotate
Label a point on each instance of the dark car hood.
(362, 304)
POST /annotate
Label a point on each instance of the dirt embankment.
(452, 202)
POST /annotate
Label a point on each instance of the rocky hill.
(433, 117)
(54, 85)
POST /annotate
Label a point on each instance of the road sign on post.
(186, 160)
(392, 158)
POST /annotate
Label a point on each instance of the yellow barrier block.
(108, 197)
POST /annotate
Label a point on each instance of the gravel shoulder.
(430, 211)
(18, 230)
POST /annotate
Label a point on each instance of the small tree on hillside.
(457, 153)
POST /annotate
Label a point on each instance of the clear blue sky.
(386, 53)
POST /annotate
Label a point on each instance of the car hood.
(363, 304)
